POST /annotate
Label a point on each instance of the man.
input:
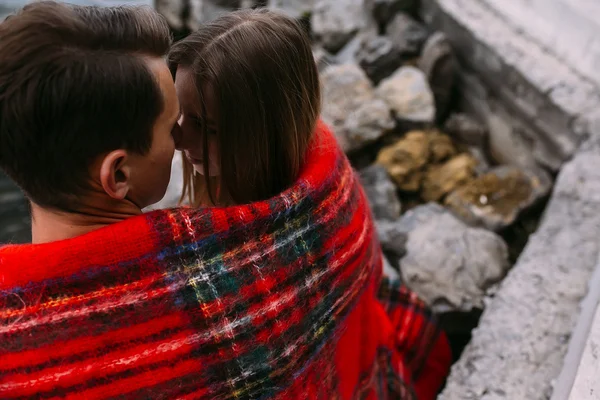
(88, 115)
(88, 109)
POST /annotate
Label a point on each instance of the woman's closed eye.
(200, 124)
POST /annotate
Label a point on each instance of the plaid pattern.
(276, 299)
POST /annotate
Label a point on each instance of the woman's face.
(191, 123)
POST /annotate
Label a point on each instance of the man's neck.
(51, 225)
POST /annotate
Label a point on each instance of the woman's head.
(249, 93)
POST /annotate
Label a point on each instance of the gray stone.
(203, 11)
(335, 22)
(389, 271)
(510, 139)
(348, 54)
(440, 66)
(252, 3)
(323, 58)
(172, 10)
(496, 199)
(466, 129)
(368, 123)
(15, 223)
(447, 263)
(381, 193)
(351, 108)
(407, 35)
(483, 164)
(408, 94)
(392, 239)
(232, 4)
(384, 10)
(519, 346)
(378, 57)
(293, 8)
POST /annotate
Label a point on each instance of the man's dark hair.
(74, 85)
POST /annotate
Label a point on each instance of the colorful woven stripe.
(276, 299)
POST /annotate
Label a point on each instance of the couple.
(269, 286)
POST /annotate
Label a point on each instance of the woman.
(291, 253)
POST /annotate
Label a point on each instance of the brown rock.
(495, 200)
(442, 179)
(441, 146)
(406, 160)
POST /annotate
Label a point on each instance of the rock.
(294, 8)
(202, 12)
(483, 165)
(172, 11)
(393, 235)
(368, 123)
(252, 3)
(407, 35)
(406, 159)
(323, 58)
(232, 4)
(378, 57)
(391, 238)
(495, 200)
(384, 10)
(390, 271)
(442, 179)
(447, 263)
(441, 147)
(348, 54)
(381, 193)
(408, 94)
(441, 67)
(335, 22)
(351, 108)
(466, 129)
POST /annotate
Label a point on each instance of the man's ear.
(115, 174)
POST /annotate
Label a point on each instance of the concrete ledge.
(519, 347)
(587, 385)
(546, 93)
(578, 379)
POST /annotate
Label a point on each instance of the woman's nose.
(183, 142)
(177, 135)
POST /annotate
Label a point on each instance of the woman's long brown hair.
(261, 69)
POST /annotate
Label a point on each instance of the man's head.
(87, 104)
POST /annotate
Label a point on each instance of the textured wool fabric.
(282, 298)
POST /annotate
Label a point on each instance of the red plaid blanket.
(276, 299)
